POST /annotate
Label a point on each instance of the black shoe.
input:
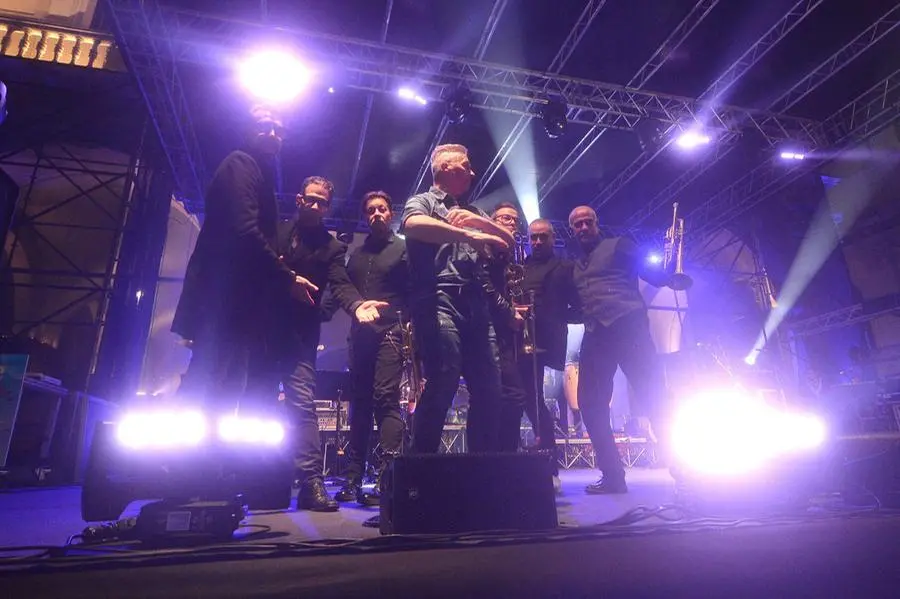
(314, 497)
(371, 498)
(607, 486)
(350, 491)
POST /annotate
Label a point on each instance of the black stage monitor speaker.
(455, 493)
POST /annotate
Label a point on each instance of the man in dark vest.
(616, 334)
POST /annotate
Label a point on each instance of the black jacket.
(314, 254)
(555, 303)
(234, 272)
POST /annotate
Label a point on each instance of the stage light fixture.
(161, 429)
(654, 258)
(792, 156)
(256, 431)
(459, 106)
(412, 95)
(553, 115)
(274, 75)
(729, 433)
(692, 139)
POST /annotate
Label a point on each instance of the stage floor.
(51, 516)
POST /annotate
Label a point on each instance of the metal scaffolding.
(819, 75)
(582, 24)
(486, 35)
(177, 36)
(52, 258)
(869, 113)
(638, 81)
(142, 31)
(844, 317)
(780, 30)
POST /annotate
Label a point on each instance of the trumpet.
(515, 276)
(411, 366)
(673, 254)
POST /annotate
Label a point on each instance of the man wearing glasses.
(318, 259)
(549, 279)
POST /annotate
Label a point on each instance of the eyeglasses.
(540, 237)
(310, 201)
(507, 218)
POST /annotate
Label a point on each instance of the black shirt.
(314, 254)
(379, 271)
(439, 265)
(607, 281)
(555, 299)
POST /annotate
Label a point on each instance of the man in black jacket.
(311, 251)
(616, 334)
(379, 270)
(234, 275)
(548, 279)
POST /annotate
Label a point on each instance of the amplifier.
(456, 493)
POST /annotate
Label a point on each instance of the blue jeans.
(454, 336)
(298, 376)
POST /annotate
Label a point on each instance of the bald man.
(616, 335)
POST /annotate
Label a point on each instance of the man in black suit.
(234, 275)
(379, 270)
(310, 250)
(616, 334)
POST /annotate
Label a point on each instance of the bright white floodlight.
(410, 94)
(692, 139)
(792, 156)
(274, 75)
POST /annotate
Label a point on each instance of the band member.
(448, 307)
(234, 274)
(616, 335)
(310, 250)
(548, 279)
(379, 270)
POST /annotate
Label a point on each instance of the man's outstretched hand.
(302, 290)
(368, 310)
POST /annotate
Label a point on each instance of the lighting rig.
(202, 463)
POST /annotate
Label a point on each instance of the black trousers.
(626, 343)
(376, 367)
(454, 336)
(229, 370)
(519, 394)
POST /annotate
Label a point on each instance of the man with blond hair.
(446, 241)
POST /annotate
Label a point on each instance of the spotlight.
(553, 113)
(654, 258)
(792, 156)
(410, 94)
(274, 75)
(458, 106)
(257, 431)
(692, 139)
(729, 433)
(161, 429)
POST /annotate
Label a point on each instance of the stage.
(846, 555)
(50, 516)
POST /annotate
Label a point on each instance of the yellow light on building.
(44, 44)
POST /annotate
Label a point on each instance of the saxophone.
(515, 276)
(411, 366)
